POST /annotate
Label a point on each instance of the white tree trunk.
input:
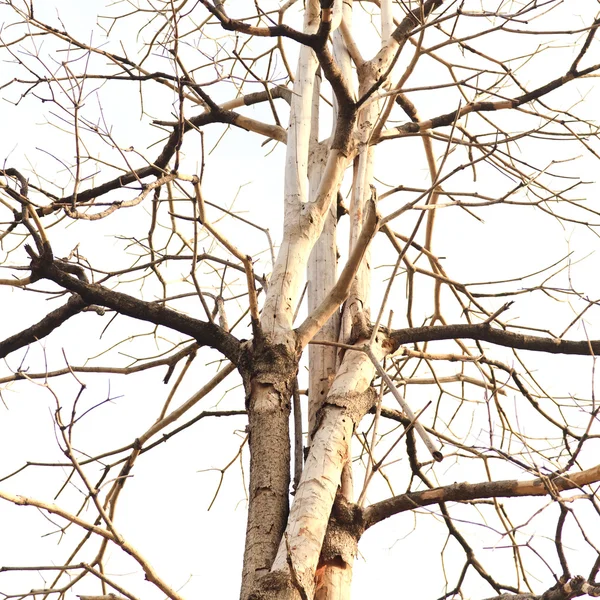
(349, 398)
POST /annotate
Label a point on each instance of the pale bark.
(341, 53)
(431, 446)
(308, 552)
(348, 401)
(334, 574)
(269, 387)
(321, 276)
(294, 568)
(387, 21)
(357, 309)
(269, 399)
(298, 236)
(345, 282)
(333, 583)
(322, 271)
(334, 580)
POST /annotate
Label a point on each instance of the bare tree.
(434, 143)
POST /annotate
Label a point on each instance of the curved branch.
(486, 106)
(159, 166)
(230, 24)
(206, 334)
(53, 509)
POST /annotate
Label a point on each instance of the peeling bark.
(349, 399)
(333, 578)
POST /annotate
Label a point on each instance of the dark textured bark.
(484, 332)
(340, 545)
(413, 19)
(269, 373)
(41, 329)
(206, 334)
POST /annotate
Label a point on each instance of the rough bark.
(333, 578)
(269, 372)
(294, 569)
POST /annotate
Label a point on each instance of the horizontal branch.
(485, 333)
(458, 492)
(206, 334)
(170, 360)
(274, 132)
(104, 597)
(278, 91)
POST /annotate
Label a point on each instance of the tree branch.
(53, 509)
(44, 327)
(206, 334)
(476, 491)
(158, 167)
(339, 292)
(484, 332)
(563, 590)
(315, 40)
(485, 106)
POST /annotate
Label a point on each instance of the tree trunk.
(269, 377)
(295, 567)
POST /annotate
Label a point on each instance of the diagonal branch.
(206, 334)
(458, 492)
(157, 168)
(53, 509)
(160, 164)
(339, 292)
(485, 106)
(433, 449)
(45, 327)
(383, 62)
(230, 24)
(244, 258)
(315, 40)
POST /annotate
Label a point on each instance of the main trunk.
(269, 373)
